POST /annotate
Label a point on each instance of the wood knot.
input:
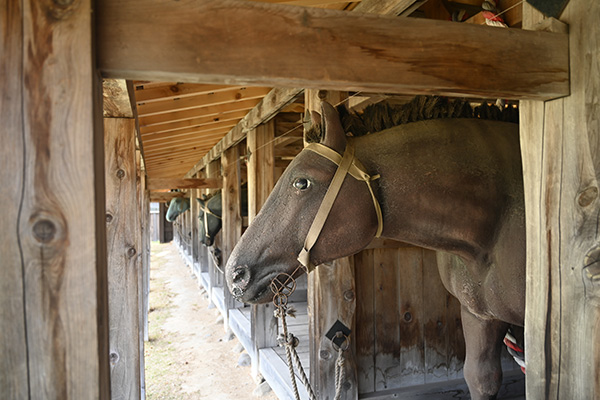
(113, 357)
(349, 295)
(407, 316)
(591, 274)
(131, 252)
(62, 9)
(587, 196)
(120, 173)
(322, 94)
(44, 230)
(324, 355)
(109, 218)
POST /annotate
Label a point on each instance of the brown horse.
(451, 185)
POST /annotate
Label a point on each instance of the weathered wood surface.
(53, 335)
(261, 180)
(142, 220)
(189, 183)
(232, 208)
(124, 273)
(408, 325)
(415, 56)
(116, 102)
(561, 157)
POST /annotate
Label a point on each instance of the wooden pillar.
(123, 258)
(561, 162)
(142, 220)
(261, 180)
(232, 209)
(331, 297)
(212, 171)
(53, 333)
(194, 209)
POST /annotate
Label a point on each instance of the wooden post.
(124, 258)
(212, 171)
(561, 162)
(194, 209)
(53, 329)
(142, 220)
(232, 209)
(331, 297)
(261, 179)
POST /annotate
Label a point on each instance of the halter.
(207, 211)
(347, 164)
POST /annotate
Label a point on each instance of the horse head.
(210, 218)
(177, 206)
(272, 243)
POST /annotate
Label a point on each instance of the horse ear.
(334, 135)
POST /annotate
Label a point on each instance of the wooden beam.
(160, 197)
(194, 122)
(411, 55)
(116, 99)
(189, 183)
(53, 291)
(265, 110)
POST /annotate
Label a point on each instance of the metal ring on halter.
(284, 284)
(345, 344)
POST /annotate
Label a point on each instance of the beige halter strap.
(347, 164)
(207, 212)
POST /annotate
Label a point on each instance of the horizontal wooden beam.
(177, 183)
(262, 112)
(287, 46)
(160, 197)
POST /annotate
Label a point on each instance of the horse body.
(452, 185)
(210, 212)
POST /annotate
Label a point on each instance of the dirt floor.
(188, 355)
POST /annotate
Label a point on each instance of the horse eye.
(301, 183)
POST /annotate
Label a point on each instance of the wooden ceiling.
(179, 123)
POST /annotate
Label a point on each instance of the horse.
(453, 185)
(211, 209)
(177, 206)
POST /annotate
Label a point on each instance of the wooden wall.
(408, 326)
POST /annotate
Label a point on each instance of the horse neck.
(427, 197)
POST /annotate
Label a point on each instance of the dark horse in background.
(177, 206)
(450, 184)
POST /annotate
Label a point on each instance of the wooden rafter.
(177, 183)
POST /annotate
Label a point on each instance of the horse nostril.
(240, 278)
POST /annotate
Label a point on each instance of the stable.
(77, 184)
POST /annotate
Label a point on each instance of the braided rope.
(340, 374)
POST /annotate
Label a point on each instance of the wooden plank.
(141, 220)
(188, 183)
(261, 180)
(53, 336)
(194, 122)
(14, 376)
(385, 7)
(170, 91)
(193, 113)
(364, 337)
(262, 112)
(387, 320)
(206, 100)
(123, 256)
(559, 141)
(406, 56)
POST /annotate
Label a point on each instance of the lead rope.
(282, 289)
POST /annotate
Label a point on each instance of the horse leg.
(483, 339)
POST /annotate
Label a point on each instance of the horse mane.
(385, 115)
